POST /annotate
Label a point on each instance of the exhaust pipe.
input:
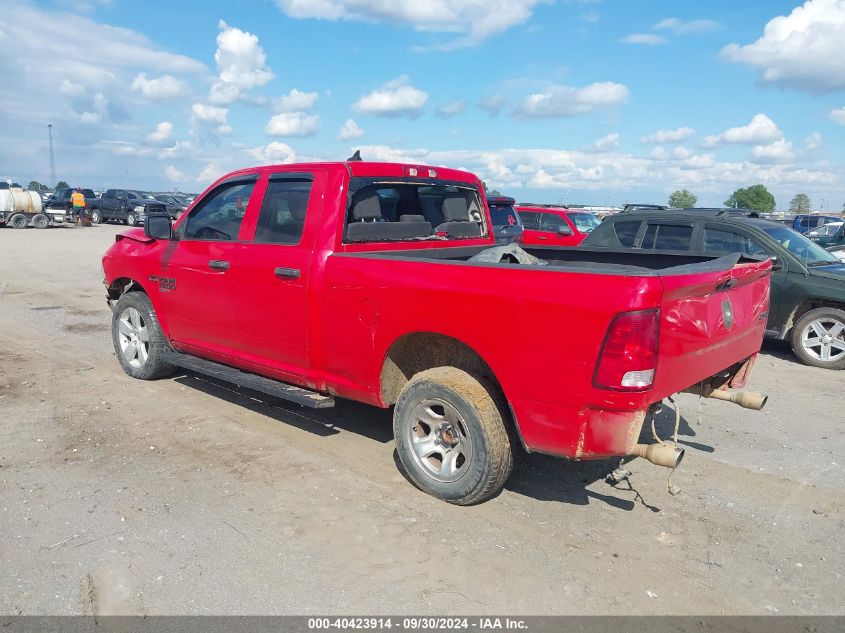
(666, 455)
(746, 399)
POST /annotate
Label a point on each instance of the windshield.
(826, 230)
(503, 216)
(584, 222)
(808, 252)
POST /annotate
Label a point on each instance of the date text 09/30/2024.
(417, 624)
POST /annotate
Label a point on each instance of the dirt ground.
(186, 496)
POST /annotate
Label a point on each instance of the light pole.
(52, 161)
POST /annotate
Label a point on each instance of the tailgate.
(709, 321)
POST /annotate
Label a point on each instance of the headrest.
(298, 205)
(455, 208)
(410, 217)
(367, 207)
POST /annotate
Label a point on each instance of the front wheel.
(130, 219)
(138, 339)
(451, 436)
(96, 217)
(818, 338)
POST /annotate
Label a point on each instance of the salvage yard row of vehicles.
(383, 283)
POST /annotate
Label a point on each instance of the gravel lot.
(185, 496)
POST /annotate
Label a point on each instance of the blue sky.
(589, 101)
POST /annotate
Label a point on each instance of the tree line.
(755, 197)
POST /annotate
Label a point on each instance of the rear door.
(530, 226)
(197, 270)
(271, 273)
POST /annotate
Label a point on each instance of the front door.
(271, 275)
(197, 269)
(556, 231)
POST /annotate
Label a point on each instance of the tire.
(41, 221)
(467, 457)
(818, 338)
(133, 321)
(130, 219)
(19, 221)
(96, 218)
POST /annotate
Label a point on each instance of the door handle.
(218, 264)
(287, 273)
(542, 237)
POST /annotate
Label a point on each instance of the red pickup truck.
(380, 283)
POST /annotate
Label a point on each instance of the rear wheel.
(40, 221)
(19, 221)
(818, 338)
(451, 436)
(130, 219)
(138, 339)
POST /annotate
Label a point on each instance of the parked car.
(807, 222)
(832, 234)
(507, 227)
(808, 282)
(126, 205)
(305, 281)
(556, 226)
(176, 205)
(60, 200)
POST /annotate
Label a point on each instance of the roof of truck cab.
(371, 169)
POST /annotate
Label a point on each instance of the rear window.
(670, 237)
(503, 215)
(88, 193)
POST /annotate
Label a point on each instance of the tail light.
(628, 355)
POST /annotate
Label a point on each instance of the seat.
(456, 220)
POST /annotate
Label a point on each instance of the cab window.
(670, 237)
(723, 240)
(219, 216)
(283, 211)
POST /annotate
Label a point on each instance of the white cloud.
(681, 27)
(838, 115)
(493, 104)
(295, 101)
(606, 143)
(125, 148)
(293, 124)
(813, 142)
(210, 113)
(614, 171)
(161, 134)
(349, 131)
(452, 108)
(241, 65)
(394, 99)
(174, 175)
(777, 152)
(668, 136)
(681, 152)
(273, 153)
(561, 101)
(472, 20)
(164, 87)
(649, 39)
(760, 131)
(804, 50)
(70, 89)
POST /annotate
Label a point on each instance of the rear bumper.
(609, 429)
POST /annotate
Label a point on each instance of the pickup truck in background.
(60, 200)
(309, 281)
(125, 205)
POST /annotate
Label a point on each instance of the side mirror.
(157, 227)
(776, 263)
(564, 230)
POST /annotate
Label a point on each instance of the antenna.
(52, 162)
